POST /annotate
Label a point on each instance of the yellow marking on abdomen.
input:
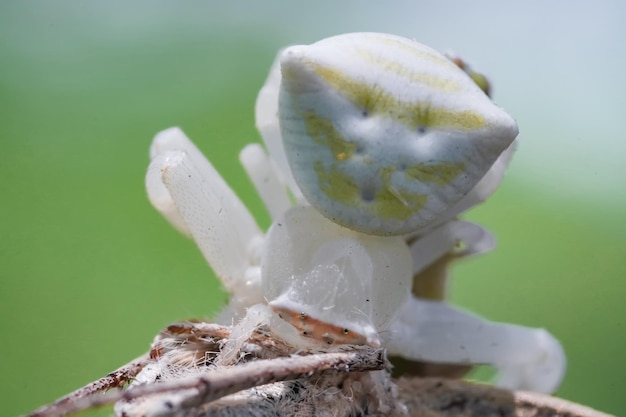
(412, 48)
(438, 83)
(375, 100)
(323, 132)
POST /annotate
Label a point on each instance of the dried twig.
(208, 387)
(115, 379)
(334, 382)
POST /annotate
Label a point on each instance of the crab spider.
(314, 278)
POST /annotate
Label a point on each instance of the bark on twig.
(270, 379)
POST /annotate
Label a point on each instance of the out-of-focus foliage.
(90, 272)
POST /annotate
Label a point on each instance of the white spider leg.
(220, 224)
(266, 113)
(443, 239)
(255, 317)
(476, 238)
(167, 140)
(266, 179)
(434, 331)
(174, 139)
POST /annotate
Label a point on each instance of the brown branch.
(266, 360)
(218, 383)
(115, 379)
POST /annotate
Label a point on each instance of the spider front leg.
(434, 331)
(267, 179)
(446, 239)
(184, 186)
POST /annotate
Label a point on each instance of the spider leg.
(443, 239)
(434, 331)
(266, 179)
(266, 114)
(167, 140)
(220, 224)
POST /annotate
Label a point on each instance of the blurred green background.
(89, 272)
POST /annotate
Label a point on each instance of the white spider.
(374, 141)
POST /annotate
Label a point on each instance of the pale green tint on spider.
(383, 134)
